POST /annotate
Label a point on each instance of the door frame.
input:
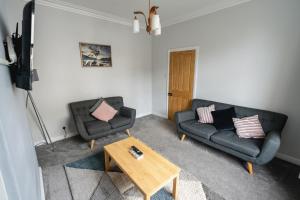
(196, 48)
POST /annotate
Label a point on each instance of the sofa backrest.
(270, 121)
(81, 108)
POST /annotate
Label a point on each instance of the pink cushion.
(104, 112)
(249, 127)
(205, 115)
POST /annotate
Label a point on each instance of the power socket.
(64, 128)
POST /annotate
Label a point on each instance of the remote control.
(136, 152)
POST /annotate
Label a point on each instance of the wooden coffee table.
(150, 173)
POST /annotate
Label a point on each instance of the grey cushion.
(199, 129)
(229, 139)
(119, 121)
(96, 126)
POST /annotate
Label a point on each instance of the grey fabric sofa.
(90, 128)
(257, 151)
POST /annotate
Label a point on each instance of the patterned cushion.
(104, 112)
(205, 115)
(249, 127)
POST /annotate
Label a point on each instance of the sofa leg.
(93, 144)
(182, 137)
(128, 132)
(250, 168)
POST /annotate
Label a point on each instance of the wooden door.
(181, 81)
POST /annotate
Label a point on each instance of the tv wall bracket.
(9, 51)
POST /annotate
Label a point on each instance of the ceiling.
(170, 11)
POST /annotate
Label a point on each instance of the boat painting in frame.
(95, 55)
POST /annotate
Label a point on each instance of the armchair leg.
(182, 137)
(128, 132)
(250, 168)
(93, 144)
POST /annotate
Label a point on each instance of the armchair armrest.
(128, 112)
(81, 128)
(184, 116)
(269, 148)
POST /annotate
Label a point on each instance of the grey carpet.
(220, 172)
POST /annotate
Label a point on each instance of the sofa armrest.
(184, 116)
(128, 112)
(269, 148)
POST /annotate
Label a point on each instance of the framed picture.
(95, 55)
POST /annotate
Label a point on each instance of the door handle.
(170, 94)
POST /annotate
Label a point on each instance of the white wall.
(18, 162)
(249, 56)
(63, 80)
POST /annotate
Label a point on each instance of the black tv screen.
(24, 72)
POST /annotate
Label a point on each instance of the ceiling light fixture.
(152, 23)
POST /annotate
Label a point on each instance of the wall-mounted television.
(23, 73)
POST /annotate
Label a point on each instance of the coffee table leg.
(175, 187)
(107, 161)
(147, 197)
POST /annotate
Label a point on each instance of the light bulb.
(155, 22)
(136, 25)
(157, 31)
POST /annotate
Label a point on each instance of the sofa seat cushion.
(96, 126)
(230, 139)
(198, 129)
(119, 121)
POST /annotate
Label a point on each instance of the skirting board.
(54, 139)
(288, 158)
(160, 115)
(42, 184)
(61, 137)
(143, 115)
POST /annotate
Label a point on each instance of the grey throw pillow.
(96, 105)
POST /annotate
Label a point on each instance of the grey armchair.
(90, 128)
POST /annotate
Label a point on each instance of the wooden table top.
(150, 173)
